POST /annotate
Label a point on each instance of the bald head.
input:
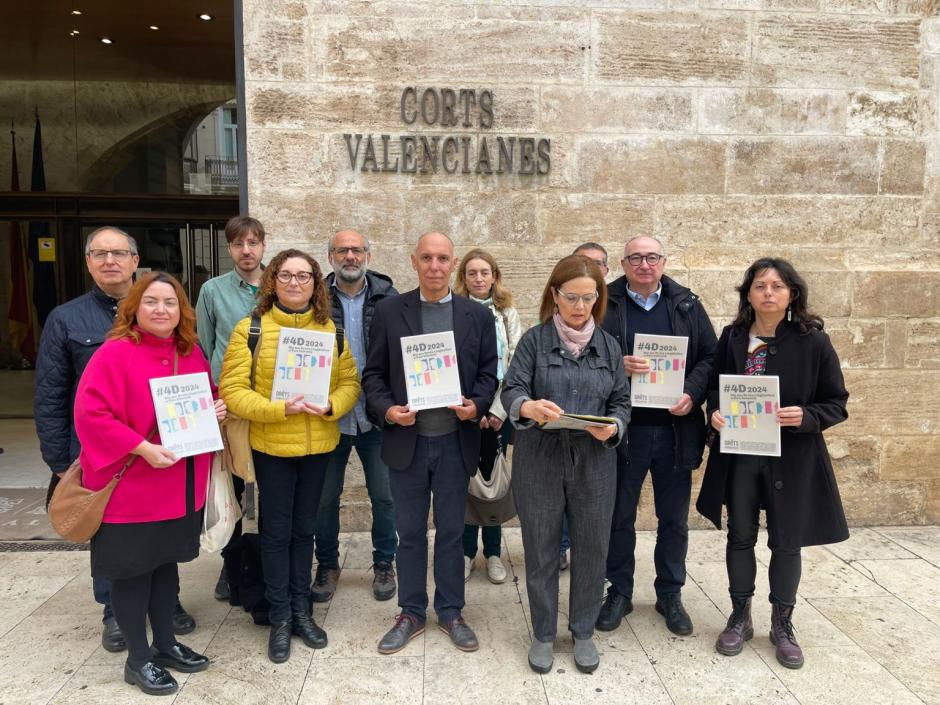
(435, 236)
(350, 256)
(433, 260)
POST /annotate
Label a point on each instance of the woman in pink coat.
(152, 520)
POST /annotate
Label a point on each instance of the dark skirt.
(121, 551)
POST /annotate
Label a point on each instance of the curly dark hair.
(799, 295)
(267, 287)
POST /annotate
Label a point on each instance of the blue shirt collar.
(646, 302)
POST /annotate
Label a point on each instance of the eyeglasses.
(301, 277)
(343, 251)
(102, 255)
(599, 262)
(573, 299)
(651, 259)
(242, 244)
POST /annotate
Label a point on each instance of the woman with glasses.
(774, 333)
(479, 278)
(290, 440)
(566, 364)
(152, 520)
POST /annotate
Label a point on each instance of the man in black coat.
(433, 451)
(355, 292)
(71, 335)
(667, 443)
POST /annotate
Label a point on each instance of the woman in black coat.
(775, 334)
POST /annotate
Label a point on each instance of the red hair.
(126, 319)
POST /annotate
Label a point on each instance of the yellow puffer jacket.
(272, 431)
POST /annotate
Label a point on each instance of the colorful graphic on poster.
(303, 366)
(663, 385)
(186, 414)
(749, 404)
(431, 376)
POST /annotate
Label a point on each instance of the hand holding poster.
(749, 405)
(431, 377)
(186, 414)
(303, 366)
(663, 385)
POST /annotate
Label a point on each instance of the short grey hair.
(131, 242)
(662, 247)
(329, 243)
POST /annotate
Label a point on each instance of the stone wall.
(727, 128)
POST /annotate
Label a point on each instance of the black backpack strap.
(254, 335)
(340, 338)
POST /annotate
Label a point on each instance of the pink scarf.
(574, 339)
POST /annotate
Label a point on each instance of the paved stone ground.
(868, 619)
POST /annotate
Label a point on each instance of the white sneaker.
(495, 570)
(467, 568)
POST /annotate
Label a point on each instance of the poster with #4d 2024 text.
(664, 384)
(303, 366)
(749, 404)
(186, 414)
(431, 376)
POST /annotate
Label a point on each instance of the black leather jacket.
(688, 318)
(72, 334)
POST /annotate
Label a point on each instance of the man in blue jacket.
(666, 443)
(73, 332)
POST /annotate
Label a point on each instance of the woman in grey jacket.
(567, 364)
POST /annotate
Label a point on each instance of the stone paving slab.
(866, 616)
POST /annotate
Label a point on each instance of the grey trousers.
(556, 474)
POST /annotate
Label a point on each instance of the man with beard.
(223, 302)
(355, 291)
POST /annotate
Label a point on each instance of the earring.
(789, 313)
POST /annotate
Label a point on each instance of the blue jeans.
(652, 450)
(102, 590)
(436, 469)
(384, 541)
(289, 492)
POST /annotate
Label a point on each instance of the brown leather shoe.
(738, 630)
(789, 653)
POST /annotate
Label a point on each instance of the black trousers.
(750, 489)
(436, 472)
(289, 493)
(150, 595)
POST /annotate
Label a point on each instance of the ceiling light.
(105, 40)
(154, 27)
(73, 32)
(76, 12)
(205, 17)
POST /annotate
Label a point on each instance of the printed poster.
(303, 365)
(185, 414)
(749, 404)
(431, 376)
(577, 422)
(661, 387)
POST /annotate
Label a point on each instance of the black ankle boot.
(279, 642)
(304, 627)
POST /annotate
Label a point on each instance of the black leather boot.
(304, 627)
(279, 642)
